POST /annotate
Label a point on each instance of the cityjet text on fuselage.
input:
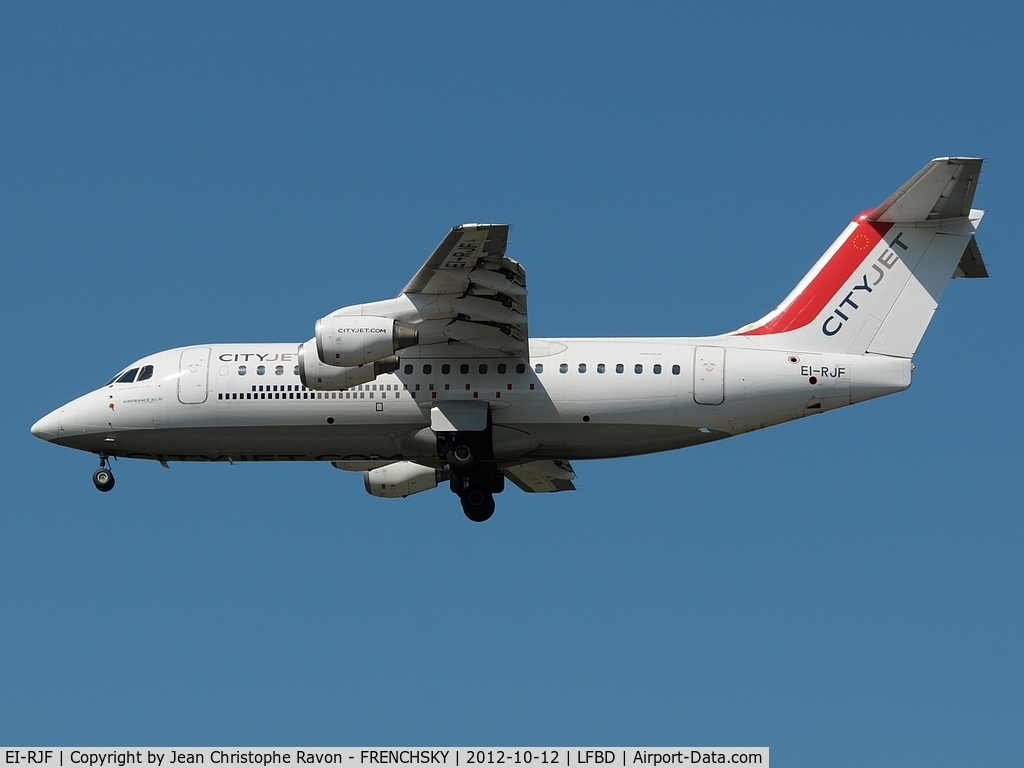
(257, 357)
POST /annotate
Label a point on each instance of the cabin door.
(192, 375)
(709, 375)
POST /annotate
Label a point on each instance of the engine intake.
(347, 340)
(316, 375)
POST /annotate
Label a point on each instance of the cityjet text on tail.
(444, 383)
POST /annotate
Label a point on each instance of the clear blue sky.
(845, 589)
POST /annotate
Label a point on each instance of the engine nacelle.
(316, 375)
(401, 479)
(348, 340)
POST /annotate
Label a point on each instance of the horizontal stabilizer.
(943, 189)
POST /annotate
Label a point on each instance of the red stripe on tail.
(808, 304)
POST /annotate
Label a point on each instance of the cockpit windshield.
(127, 377)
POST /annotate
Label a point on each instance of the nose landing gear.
(103, 478)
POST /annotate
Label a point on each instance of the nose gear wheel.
(103, 478)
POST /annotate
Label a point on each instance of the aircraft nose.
(47, 427)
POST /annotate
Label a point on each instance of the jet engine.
(316, 375)
(401, 479)
(347, 340)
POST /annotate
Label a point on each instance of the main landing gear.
(103, 478)
(476, 492)
(475, 479)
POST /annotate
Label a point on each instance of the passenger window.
(563, 368)
(583, 367)
(260, 370)
(675, 370)
(520, 368)
(446, 369)
(638, 368)
(463, 369)
(502, 368)
(483, 368)
(539, 367)
(427, 369)
(600, 367)
(279, 370)
(619, 368)
(145, 373)
(241, 370)
(657, 369)
(408, 369)
(128, 376)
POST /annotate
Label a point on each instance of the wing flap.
(548, 476)
(495, 338)
(363, 465)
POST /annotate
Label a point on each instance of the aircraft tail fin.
(876, 288)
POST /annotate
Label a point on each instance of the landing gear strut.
(103, 478)
(475, 478)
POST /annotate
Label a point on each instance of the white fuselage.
(445, 383)
(575, 399)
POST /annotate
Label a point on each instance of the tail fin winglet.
(943, 189)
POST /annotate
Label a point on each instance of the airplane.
(444, 383)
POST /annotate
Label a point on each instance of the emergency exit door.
(709, 375)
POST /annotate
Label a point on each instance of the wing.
(543, 476)
(477, 291)
(458, 254)
(467, 300)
